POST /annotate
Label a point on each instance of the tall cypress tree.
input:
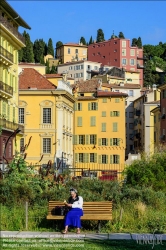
(100, 36)
(82, 40)
(91, 40)
(134, 42)
(50, 48)
(58, 44)
(27, 54)
(121, 35)
(139, 43)
(39, 50)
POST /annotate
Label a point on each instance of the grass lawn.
(45, 244)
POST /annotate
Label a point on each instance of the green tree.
(134, 42)
(20, 55)
(121, 35)
(27, 54)
(82, 40)
(39, 50)
(139, 43)
(53, 70)
(50, 48)
(58, 44)
(90, 40)
(100, 36)
(47, 67)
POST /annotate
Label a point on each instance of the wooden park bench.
(96, 210)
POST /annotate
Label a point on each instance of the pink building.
(117, 52)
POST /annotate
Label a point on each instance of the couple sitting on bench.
(75, 205)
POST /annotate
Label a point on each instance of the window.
(76, 50)
(123, 52)
(79, 106)
(103, 113)
(104, 159)
(21, 115)
(126, 114)
(92, 157)
(81, 139)
(124, 44)
(117, 100)
(93, 121)
(114, 142)
(68, 51)
(21, 145)
(131, 93)
(70, 67)
(82, 66)
(115, 127)
(84, 52)
(103, 127)
(81, 157)
(132, 62)
(46, 145)
(93, 106)
(124, 61)
(114, 113)
(115, 159)
(79, 121)
(46, 115)
(93, 139)
(131, 115)
(132, 52)
(95, 68)
(104, 142)
(131, 125)
(104, 100)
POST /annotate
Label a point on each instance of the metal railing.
(6, 53)
(5, 124)
(6, 88)
(12, 29)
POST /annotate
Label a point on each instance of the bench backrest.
(95, 207)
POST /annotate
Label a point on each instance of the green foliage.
(39, 50)
(134, 42)
(121, 35)
(50, 48)
(139, 43)
(26, 54)
(90, 40)
(100, 36)
(82, 40)
(58, 44)
(53, 70)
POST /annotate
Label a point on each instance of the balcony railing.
(10, 125)
(140, 66)
(6, 54)
(6, 88)
(12, 29)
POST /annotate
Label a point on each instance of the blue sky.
(67, 21)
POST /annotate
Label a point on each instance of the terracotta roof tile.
(126, 86)
(109, 93)
(30, 78)
(88, 86)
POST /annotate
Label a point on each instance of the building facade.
(99, 130)
(10, 42)
(80, 70)
(117, 52)
(48, 119)
(162, 89)
(69, 52)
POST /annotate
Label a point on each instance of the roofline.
(72, 45)
(14, 14)
(65, 64)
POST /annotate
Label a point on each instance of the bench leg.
(99, 226)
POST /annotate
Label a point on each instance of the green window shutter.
(76, 140)
(93, 120)
(106, 142)
(95, 158)
(95, 139)
(111, 113)
(96, 106)
(83, 139)
(76, 157)
(87, 139)
(118, 113)
(106, 159)
(73, 139)
(75, 106)
(115, 127)
(118, 141)
(79, 121)
(111, 159)
(111, 141)
(86, 157)
(103, 113)
(81, 106)
(118, 160)
(4, 108)
(99, 142)
(103, 129)
(89, 106)
(8, 112)
(99, 158)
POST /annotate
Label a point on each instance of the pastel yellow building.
(156, 123)
(99, 130)
(37, 66)
(10, 42)
(46, 111)
(69, 52)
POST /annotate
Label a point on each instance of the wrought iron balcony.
(5, 124)
(5, 90)
(12, 29)
(140, 66)
(6, 54)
